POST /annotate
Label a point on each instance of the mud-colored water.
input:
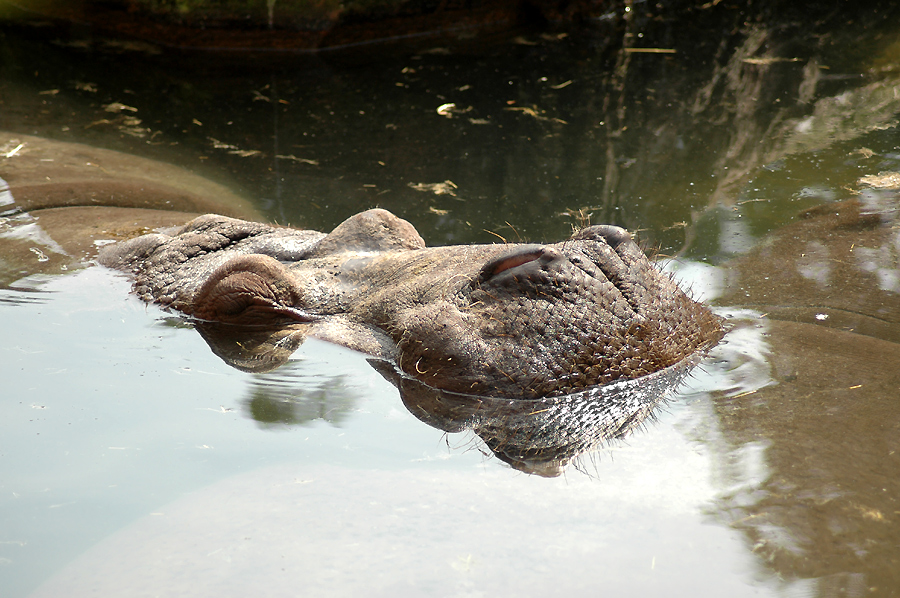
(135, 462)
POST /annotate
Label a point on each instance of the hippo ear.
(620, 241)
(372, 230)
(613, 236)
(249, 290)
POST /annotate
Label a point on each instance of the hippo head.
(531, 321)
(516, 321)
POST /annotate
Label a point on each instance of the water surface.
(134, 460)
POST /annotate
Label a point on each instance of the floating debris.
(233, 149)
(532, 112)
(41, 256)
(450, 109)
(294, 158)
(651, 51)
(221, 145)
(882, 180)
(130, 126)
(118, 107)
(14, 150)
(132, 46)
(768, 60)
(445, 188)
(245, 153)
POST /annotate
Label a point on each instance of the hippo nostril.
(612, 235)
(507, 261)
(513, 261)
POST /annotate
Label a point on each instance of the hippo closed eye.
(519, 321)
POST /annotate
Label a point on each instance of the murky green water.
(133, 461)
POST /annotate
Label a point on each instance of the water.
(135, 460)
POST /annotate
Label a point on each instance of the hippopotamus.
(489, 338)
(521, 321)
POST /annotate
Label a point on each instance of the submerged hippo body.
(522, 320)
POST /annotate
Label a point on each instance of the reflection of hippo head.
(521, 321)
(542, 436)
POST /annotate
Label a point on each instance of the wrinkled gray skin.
(521, 321)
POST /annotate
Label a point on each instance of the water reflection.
(543, 436)
(539, 436)
(298, 394)
(808, 463)
(252, 349)
(808, 452)
(835, 267)
(541, 127)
